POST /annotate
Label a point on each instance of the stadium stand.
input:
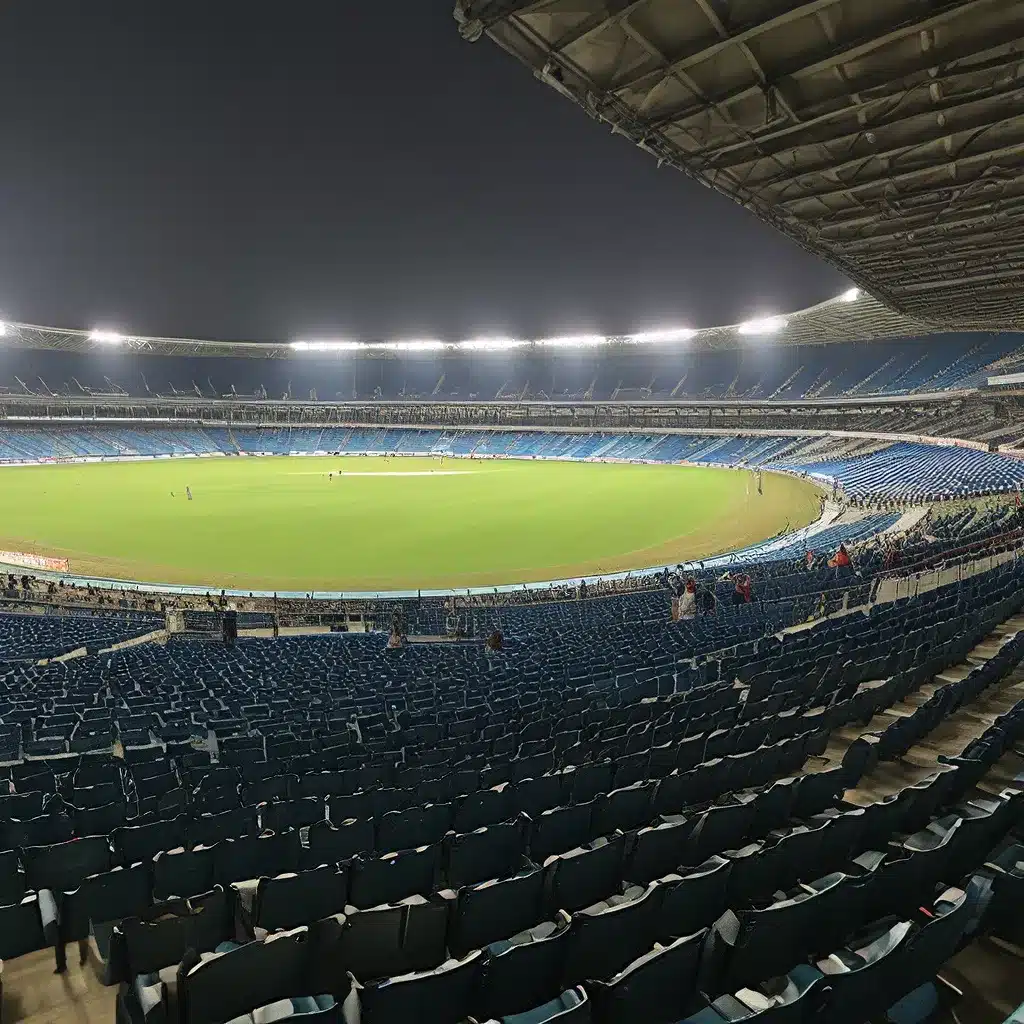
(810, 821)
(42, 636)
(938, 364)
(916, 472)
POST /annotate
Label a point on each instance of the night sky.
(279, 170)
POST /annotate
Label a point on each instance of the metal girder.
(742, 35)
(939, 256)
(595, 23)
(951, 215)
(719, 155)
(1012, 96)
(637, 36)
(854, 188)
(948, 228)
(829, 58)
(942, 132)
(1011, 274)
(723, 32)
(490, 11)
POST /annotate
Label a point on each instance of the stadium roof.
(884, 135)
(853, 316)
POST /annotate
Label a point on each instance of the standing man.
(188, 493)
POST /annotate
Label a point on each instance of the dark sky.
(276, 169)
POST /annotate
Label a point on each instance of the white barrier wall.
(932, 579)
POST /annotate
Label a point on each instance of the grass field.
(281, 524)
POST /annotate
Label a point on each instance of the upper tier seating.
(913, 366)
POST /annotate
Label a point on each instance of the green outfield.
(401, 523)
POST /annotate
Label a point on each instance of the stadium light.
(106, 337)
(850, 295)
(763, 325)
(490, 344)
(3, 328)
(326, 346)
(670, 334)
(574, 341)
(427, 345)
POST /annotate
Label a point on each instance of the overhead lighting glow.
(670, 334)
(574, 341)
(764, 325)
(3, 328)
(410, 346)
(106, 337)
(491, 344)
(326, 346)
(850, 295)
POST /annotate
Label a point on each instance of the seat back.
(288, 900)
(395, 939)
(440, 996)
(523, 971)
(231, 984)
(661, 986)
(160, 937)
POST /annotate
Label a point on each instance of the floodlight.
(410, 346)
(326, 346)
(669, 334)
(106, 337)
(574, 341)
(850, 295)
(3, 328)
(764, 325)
(491, 344)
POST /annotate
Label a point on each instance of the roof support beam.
(982, 121)
(858, 244)
(939, 256)
(928, 130)
(943, 283)
(719, 26)
(854, 188)
(490, 11)
(789, 137)
(594, 24)
(743, 35)
(682, 76)
(829, 58)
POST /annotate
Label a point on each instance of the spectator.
(841, 559)
(688, 600)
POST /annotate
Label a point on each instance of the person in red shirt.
(743, 591)
(840, 560)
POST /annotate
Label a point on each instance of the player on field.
(188, 493)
